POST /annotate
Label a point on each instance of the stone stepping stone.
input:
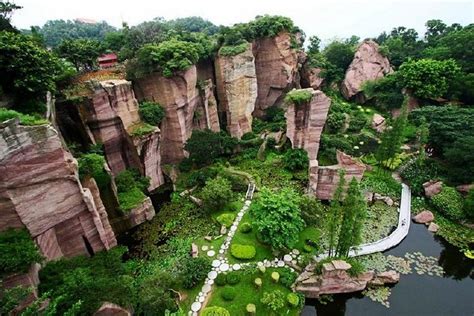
(295, 252)
(236, 267)
(212, 275)
(287, 258)
(224, 267)
(211, 253)
(216, 263)
(206, 288)
(281, 263)
(196, 306)
(202, 299)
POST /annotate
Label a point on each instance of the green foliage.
(27, 69)
(417, 171)
(335, 214)
(245, 228)
(233, 50)
(11, 298)
(298, 97)
(18, 251)
(469, 205)
(274, 300)
(243, 252)
(287, 277)
(216, 193)
(130, 199)
(204, 146)
(142, 129)
(25, 119)
(228, 293)
(386, 92)
(296, 159)
(82, 53)
(93, 165)
(278, 217)
(428, 78)
(194, 270)
(221, 279)
(449, 202)
(215, 311)
(233, 278)
(167, 57)
(335, 121)
(130, 188)
(293, 299)
(226, 219)
(382, 183)
(151, 112)
(312, 210)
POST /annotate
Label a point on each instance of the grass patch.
(248, 293)
(130, 199)
(141, 129)
(25, 119)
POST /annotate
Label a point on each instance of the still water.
(415, 294)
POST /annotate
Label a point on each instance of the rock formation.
(335, 279)
(180, 97)
(432, 188)
(305, 122)
(206, 115)
(423, 217)
(276, 65)
(368, 64)
(40, 190)
(323, 181)
(311, 77)
(237, 90)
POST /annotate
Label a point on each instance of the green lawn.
(248, 293)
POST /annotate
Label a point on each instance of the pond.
(415, 294)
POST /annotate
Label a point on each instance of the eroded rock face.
(368, 64)
(236, 82)
(324, 180)
(305, 122)
(40, 190)
(276, 65)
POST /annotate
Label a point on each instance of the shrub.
(245, 228)
(205, 146)
(201, 176)
(215, 311)
(336, 121)
(287, 277)
(356, 267)
(243, 252)
(296, 159)
(233, 278)
(194, 270)
(248, 136)
(151, 113)
(275, 276)
(312, 210)
(130, 199)
(418, 171)
(221, 279)
(258, 282)
(232, 50)
(251, 309)
(293, 299)
(357, 122)
(449, 202)
(216, 193)
(185, 165)
(25, 119)
(228, 293)
(226, 219)
(274, 300)
(18, 251)
(93, 165)
(298, 97)
(130, 188)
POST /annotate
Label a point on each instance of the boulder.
(236, 82)
(465, 188)
(432, 188)
(368, 64)
(433, 227)
(387, 277)
(378, 123)
(423, 217)
(110, 309)
(276, 67)
(40, 191)
(311, 77)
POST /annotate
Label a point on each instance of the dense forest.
(426, 99)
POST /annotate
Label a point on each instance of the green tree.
(151, 112)
(82, 53)
(314, 43)
(278, 217)
(296, 159)
(353, 215)
(7, 9)
(334, 217)
(216, 194)
(340, 55)
(204, 146)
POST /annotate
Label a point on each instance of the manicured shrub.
(251, 309)
(228, 293)
(221, 279)
(262, 269)
(258, 282)
(296, 159)
(293, 299)
(151, 113)
(298, 97)
(245, 228)
(226, 219)
(243, 252)
(194, 270)
(233, 278)
(275, 276)
(18, 251)
(449, 202)
(215, 311)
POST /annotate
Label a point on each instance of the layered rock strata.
(236, 82)
(368, 64)
(40, 190)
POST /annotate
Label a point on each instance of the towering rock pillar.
(237, 90)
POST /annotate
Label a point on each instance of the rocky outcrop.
(29, 280)
(40, 190)
(206, 115)
(432, 188)
(236, 82)
(323, 181)
(180, 98)
(276, 65)
(378, 123)
(368, 64)
(305, 122)
(148, 148)
(423, 217)
(311, 77)
(111, 309)
(335, 279)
